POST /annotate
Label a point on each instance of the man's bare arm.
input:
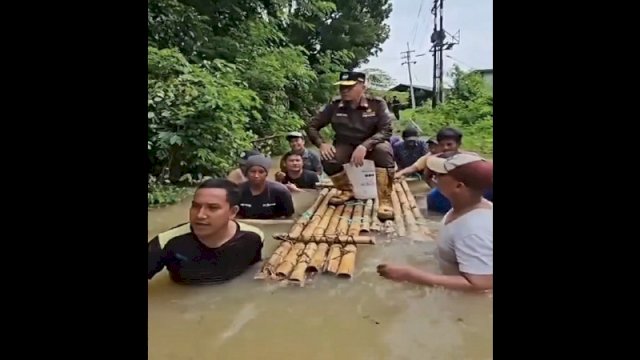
(466, 282)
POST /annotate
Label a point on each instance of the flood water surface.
(366, 317)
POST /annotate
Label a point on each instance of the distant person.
(310, 160)
(410, 149)
(212, 247)
(296, 177)
(395, 107)
(261, 198)
(237, 175)
(433, 146)
(449, 140)
(465, 246)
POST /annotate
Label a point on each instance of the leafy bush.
(468, 108)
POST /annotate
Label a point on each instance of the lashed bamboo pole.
(319, 257)
(332, 228)
(356, 220)
(284, 269)
(409, 219)
(298, 274)
(416, 212)
(366, 222)
(307, 233)
(397, 214)
(376, 224)
(412, 200)
(332, 239)
(322, 226)
(297, 228)
(333, 259)
(345, 219)
(269, 267)
(348, 262)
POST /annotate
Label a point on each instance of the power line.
(440, 43)
(407, 57)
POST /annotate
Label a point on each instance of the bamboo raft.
(325, 238)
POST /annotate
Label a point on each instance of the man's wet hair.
(233, 191)
(290, 153)
(449, 134)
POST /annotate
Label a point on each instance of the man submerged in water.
(261, 198)
(465, 246)
(296, 177)
(212, 247)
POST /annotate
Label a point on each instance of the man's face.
(256, 175)
(351, 92)
(297, 144)
(294, 163)
(448, 145)
(447, 185)
(210, 211)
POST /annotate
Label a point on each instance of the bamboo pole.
(348, 262)
(319, 257)
(356, 220)
(410, 220)
(333, 239)
(333, 259)
(416, 212)
(366, 222)
(307, 233)
(345, 219)
(412, 200)
(322, 227)
(376, 224)
(332, 228)
(297, 228)
(284, 269)
(298, 274)
(397, 213)
(266, 221)
(269, 267)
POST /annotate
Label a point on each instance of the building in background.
(487, 75)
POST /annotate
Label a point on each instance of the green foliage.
(192, 114)
(468, 107)
(163, 194)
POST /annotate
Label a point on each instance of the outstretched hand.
(357, 158)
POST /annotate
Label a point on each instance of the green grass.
(161, 195)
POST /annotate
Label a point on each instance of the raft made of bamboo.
(415, 222)
(300, 270)
(347, 262)
(297, 228)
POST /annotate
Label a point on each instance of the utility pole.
(409, 62)
(439, 45)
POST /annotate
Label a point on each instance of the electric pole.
(440, 44)
(409, 62)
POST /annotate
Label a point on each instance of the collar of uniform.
(363, 103)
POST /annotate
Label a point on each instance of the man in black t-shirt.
(261, 198)
(212, 247)
(296, 177)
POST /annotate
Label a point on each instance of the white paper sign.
(363, 179)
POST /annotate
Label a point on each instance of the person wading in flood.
(237, 175)
(465, 246)
(212, 247)
(362, 125)
(310, 160)
(296, 177)
(261, 198)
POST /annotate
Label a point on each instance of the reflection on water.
(365, 317)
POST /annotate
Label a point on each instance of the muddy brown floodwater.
(362, 318)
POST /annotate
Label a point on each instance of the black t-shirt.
(274, 202)
(189, 261)
(307, 180)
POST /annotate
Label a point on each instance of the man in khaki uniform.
(362, 124)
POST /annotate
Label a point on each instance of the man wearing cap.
(237, 175)
(410, 149)
(465, 244)
(362, 126)
(261, 198)
(310, 160)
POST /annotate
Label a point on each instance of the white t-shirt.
(466, 244)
